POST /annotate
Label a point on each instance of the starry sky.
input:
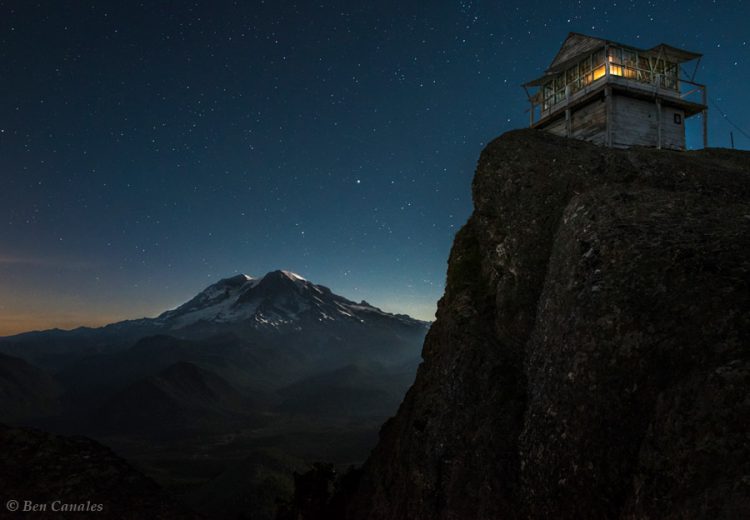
(149, 149)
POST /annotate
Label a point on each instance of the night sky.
(149, 149)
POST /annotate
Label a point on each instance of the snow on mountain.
(215, 303)
(277, 300)
(293, 276)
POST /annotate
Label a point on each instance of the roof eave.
(676, 54)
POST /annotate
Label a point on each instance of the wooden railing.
(682, 88)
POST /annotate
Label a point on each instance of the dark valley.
(221, 399)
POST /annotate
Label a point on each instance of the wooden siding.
(672, 134)
(635, 122)
(587, 123)
(557, 127)
(590, 122)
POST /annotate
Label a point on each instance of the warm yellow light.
(598, 72)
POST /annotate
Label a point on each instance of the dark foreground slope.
(61, 474)
(26, 392)
(590, 357)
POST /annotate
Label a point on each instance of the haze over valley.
(253, 377)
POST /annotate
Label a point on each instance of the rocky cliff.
(591, 354)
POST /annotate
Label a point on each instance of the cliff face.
(591, 354)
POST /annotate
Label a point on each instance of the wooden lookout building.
(617, 95)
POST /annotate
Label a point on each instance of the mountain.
(590, 355)
(26, 392)
(251, 368)
(258, 334)
(42, 468)
(280, 303)
(181, 399)
(55, 349)
(246, 366)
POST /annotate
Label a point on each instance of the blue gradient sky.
(147, 150)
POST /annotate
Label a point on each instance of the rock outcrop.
(43, 475)
(591, 354)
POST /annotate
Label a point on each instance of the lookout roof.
(577, 44)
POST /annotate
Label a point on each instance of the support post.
(531, 103)
(606, 62)
(567, 111)
(658, 123)
(704, 117)
(608, 116)
(695, 70)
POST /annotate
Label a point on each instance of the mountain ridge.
(181, 398)
(281, 304)
(235, 299)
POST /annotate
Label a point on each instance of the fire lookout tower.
(617, 95)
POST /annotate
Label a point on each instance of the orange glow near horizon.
(44, 309)
(32, 316)
(18, 323)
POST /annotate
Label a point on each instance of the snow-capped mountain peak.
(213, 303)
(293, 276)
(278, 300)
